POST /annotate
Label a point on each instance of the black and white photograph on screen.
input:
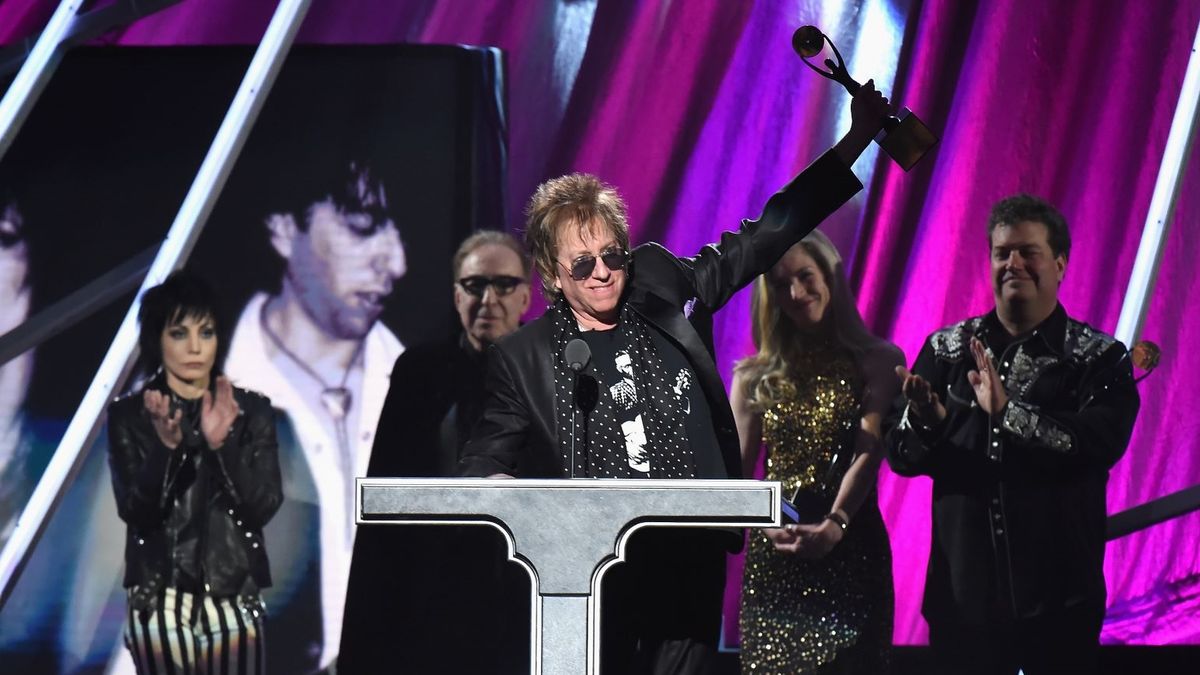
(366, 167)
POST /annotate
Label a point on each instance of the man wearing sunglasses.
(659, 408)
(449, 582)
(437, 389)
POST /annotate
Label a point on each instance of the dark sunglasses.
(478, 285)
(583, 266)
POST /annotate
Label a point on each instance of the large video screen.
(411, 135)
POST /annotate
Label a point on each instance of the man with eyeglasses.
(437, 389)
(399, 600)
(491, 292)
(659, 408)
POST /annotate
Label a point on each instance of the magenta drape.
(698, 110)
(1073, 102)
(20, 19)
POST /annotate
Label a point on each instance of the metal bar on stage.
(35, 73)
(75, 307)
(1162, 203)
(1153, 512)
(180, 239)
(87, 26)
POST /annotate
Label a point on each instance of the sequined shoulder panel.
(1084, 342)
(950, 342)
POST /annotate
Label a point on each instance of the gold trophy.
(905, 138)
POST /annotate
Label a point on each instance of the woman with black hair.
(195, 470)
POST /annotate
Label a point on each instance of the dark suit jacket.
(516, 434)
(434, 398)
(432, 599)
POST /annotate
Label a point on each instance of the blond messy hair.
(578, 199)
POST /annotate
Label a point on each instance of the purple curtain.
(697, 111)
(1071, 101)
(21, 18)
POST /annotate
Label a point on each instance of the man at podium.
(618, 380)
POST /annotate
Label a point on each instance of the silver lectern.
(566, 533)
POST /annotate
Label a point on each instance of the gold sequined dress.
(832, 615)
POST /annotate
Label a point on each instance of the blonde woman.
(816, 596)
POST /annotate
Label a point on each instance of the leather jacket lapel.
(672, 322)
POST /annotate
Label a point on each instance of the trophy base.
(908, 141)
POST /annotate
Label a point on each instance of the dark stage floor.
(1113, 661)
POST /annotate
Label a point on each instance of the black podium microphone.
(577, 355)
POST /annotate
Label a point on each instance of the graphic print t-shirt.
(697, 420)
(620, 410)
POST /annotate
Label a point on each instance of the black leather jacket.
(194, 514)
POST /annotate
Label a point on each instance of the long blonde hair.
(778, 340)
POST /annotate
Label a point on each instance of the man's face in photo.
(344, 265)
(14, 309)
(14, 268)
(625, 365)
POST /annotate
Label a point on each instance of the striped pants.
(220, 636)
